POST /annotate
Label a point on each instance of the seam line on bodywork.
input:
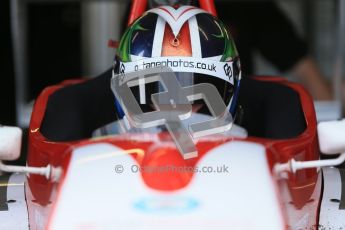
(3, 192)
(342, 196)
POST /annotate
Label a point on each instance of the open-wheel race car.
(269, 176)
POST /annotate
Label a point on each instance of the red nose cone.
(165, 169)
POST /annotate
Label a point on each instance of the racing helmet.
(195, 44)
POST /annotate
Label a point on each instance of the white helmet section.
(176, 18)
(96, 197)
(222, 70)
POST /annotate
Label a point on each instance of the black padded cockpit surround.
(75, 111)
(270, 110)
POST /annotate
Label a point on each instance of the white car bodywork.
(94, 196)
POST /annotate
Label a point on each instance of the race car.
(266, 177)
(234, 183)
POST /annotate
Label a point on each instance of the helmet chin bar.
(232, 107)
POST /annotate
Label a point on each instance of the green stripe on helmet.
(125, 43)
(230, 50)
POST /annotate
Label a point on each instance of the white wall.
(101, 21)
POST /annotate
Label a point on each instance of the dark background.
(7, 105)
(52, 55)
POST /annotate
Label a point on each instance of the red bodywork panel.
(304, 147)
(139, 7)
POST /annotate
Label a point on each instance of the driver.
(194, 44)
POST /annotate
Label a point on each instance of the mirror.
(10, 143)
(332, 137)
